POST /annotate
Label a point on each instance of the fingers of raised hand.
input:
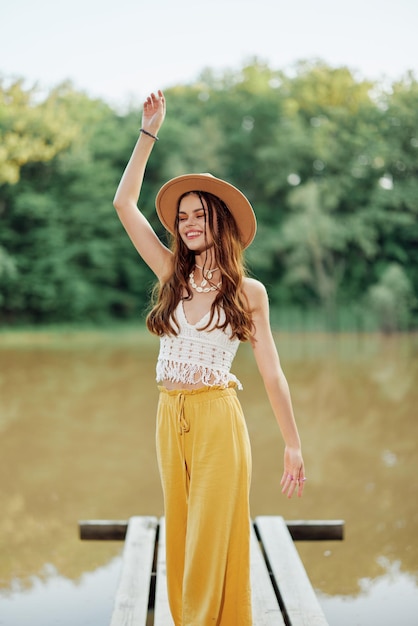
(154, 102)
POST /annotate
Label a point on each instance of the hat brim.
(239, 206)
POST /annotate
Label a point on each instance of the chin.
(197, 247)
(192, 246)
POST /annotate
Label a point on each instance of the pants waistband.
(215, 392)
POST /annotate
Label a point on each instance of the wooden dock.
(282, 594)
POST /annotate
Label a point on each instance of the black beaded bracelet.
(142, 130)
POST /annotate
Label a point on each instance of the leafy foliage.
(329, 162)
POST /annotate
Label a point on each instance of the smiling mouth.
(193, 233)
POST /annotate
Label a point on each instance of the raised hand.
(153, 112)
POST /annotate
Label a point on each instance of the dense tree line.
(329, 161)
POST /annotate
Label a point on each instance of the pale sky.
(120, 50)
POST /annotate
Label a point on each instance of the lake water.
(77, 415)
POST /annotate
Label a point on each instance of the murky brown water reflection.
(77, 442)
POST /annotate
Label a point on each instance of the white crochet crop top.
(197, 356)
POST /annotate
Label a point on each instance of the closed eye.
(183, 217)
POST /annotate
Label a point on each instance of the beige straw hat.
(167, 200)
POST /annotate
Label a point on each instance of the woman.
(205, 306)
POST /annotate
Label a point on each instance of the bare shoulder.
(258, 303)
(255, 293)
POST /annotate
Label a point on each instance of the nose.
(190, 220)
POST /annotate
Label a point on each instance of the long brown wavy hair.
(228, 249)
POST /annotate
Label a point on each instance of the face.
(193, 223)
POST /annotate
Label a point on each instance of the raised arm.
(154, 253)
(277, 388)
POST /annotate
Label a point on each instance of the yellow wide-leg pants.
(204, 459)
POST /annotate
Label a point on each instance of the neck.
(205, 260)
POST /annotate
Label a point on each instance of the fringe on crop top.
(196, 356)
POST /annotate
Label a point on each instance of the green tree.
(72, 261)
(30, 130)
(391, 298)
(314, 244)
(329, 162)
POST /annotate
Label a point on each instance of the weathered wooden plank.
(132, 596)
(266, 609)
(300, 602)
(300, 530)
(316, 530)
(162, 615)
(103, 530)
